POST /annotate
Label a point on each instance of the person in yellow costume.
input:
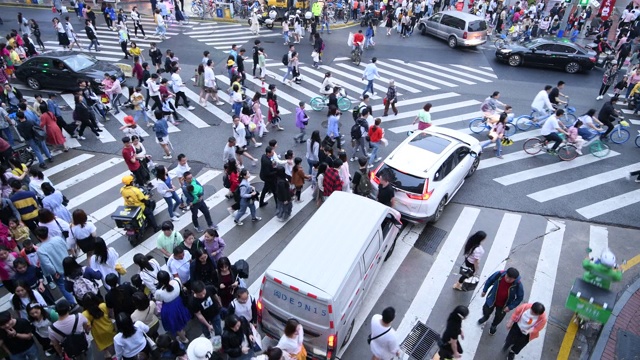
(133, 196)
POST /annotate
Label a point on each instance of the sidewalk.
(620, 336)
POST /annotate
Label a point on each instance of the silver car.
(458, 28)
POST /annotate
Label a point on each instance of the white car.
(427, 169)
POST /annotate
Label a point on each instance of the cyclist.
(591, 126)
(607, 115)
(358, 41)
(327, 84)
(555, 95)
(541, 103)
(551, 128)
(489, 107)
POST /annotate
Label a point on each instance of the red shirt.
(127, 154)
(163, 90)
(503, 293)
(358, 39)
(375, 133)
(137, 71)
(331, 182)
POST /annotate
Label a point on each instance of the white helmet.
(607, 258)
(308, 15)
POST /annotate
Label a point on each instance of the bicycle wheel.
(568, 119)
(510, 129)
(619, 136)
(356, 58)
(638, 141)
(196, 10)
(567, 152)
(344, 104)
(477, 125)
(524, 122)
(26, 157)
(317, 103)
(532, 146)
(599, 149)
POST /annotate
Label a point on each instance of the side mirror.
(473, 154)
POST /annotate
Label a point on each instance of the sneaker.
(219, 103)
(82, 138)
(378, 159)
(191, 108)
(239, 223)
(257, 218)
(579, 151)
(198, 229)
(482, 320)
(175, 218)
(50, 160)
(599, 97)
(214, 227)
(48, 353)
(511, 355)
(43, 166)
(492, 330)
(167, 156)
(230, 210)
(100, 136)
(369, 166)
(258, 144)
(353, 159)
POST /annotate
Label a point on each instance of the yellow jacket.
(133, 196)
(316, 8)
(635, 90)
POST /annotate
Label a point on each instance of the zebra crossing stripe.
(382, 78)
(423, 69)
(544, 281)
(107, 137)
(507, 158)
(357, 79)
(436, 109)
(496, 260)
(419, 100)
(459, 73)
(415, 74)
(89, 173)
(347, 86)
(609, 205)
(74, 161)
(425, 299)
(582, 184)
(468, 68)
(100, 188)
(211, 108)
(540, 171)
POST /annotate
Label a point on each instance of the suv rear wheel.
(452, 42)
(439, 209)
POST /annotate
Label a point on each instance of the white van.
(323, 275)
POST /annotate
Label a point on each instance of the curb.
(605, 334)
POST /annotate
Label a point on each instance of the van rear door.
(281, 298)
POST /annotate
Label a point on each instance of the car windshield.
(530, 44)
(402, 181)
(79, 62)
(478, 25)
(426, 141)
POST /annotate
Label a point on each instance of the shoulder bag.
(370, 339)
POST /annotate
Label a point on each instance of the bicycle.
(478, 125)
(638, 139)
(525, 122)
(620, 134)
(24, 153)
(597, 147)
(565, 152)
(356, 55)
(320, 102)
(505, 40)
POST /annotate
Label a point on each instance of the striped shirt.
(25, 203)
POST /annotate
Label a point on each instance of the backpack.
(38, 132)
(364, 186)
(247, 109)
(82, 286)
(74, 344)
(226, 182)
(356, 112)
(285, 59)
(236, 195)
(356, 131)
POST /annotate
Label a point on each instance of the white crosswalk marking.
(609, 205)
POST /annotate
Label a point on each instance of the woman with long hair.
(473, 251)
(96, 312)
(165, 187)
(149, 269)
(291, 340)
(63, 39)
(203, 269)
(228, 282)
(130, 342)
(35, 30)
(104, 260)
(23, 296)
(451, 348)
(313, 149)
(237, 338)
(146, 312)
(37, 179)
(57, 227)
(257, 116)
(174, 314)
(202, 100)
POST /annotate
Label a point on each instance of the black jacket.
(25, 128)
(267, 171)
(240, 63)
(282, 190)
(232, 341)
(90, 33)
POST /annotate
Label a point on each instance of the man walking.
(129, 156)
(369, 74)
(382, 340)
(301, 123)
(33, 138)
(289, 63)
(196, 203)
(525, 325)
(505, 294)
(51, 252)
(267, 174)
(255, 54)
(385, 190)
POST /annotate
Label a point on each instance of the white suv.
(426, 171)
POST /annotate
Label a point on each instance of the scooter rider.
(133, 196)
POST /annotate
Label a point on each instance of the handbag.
(465, 270)
(64, 233)
(120, 269)
(470, 284)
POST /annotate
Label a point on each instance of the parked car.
(549, 53)
(458, 28)
(62, 70)
(426, 171)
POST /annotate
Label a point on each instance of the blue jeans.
(142, 113)
(289, 71)
(311, 163)
(325, 23)
(161, 30)
(170, 202)
(94, 43)
(374, 152)
(244, 204)
(237, 107)
(285, 35)
(283, 211)
(38, 148)
(29, 354)
(498, 146)
(67, 295)
(9, 134)
(368, 87)
(217, 326)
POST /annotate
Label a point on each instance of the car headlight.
(505, 51)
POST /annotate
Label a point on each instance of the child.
(298, 177)
(574, 138)
(19, 231)
(6, 239)
(41, 319)
(288, 165)
(621, 85)
(137, 100)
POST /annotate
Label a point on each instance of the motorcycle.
(133, 220)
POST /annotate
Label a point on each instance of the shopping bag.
(470, 284)
(350, 39)
(64, 9)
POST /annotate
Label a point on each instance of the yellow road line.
(569, 337)
(630, 263)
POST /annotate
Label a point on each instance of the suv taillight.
(464, 35)
(425, 193)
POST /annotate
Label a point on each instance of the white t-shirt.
(386, 346)
(476, 254)
(239, 133)
(209, 77)
(541, 101)
(56, 230)
(527, 321)
(109, 267)
(550, 125)
(80, 232)
(166, 296)
(181, 169)
(180, 267)
(133, 345)
(228, 153)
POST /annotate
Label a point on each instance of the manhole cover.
(430, 239)
(419, 342)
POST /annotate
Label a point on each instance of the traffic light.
(568, 1)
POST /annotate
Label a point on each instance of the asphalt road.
(521, 199)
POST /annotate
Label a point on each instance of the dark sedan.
(548, 53)
(62, 70)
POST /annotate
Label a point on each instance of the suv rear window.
(478, 25)
(402, 181)
(430, 143)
